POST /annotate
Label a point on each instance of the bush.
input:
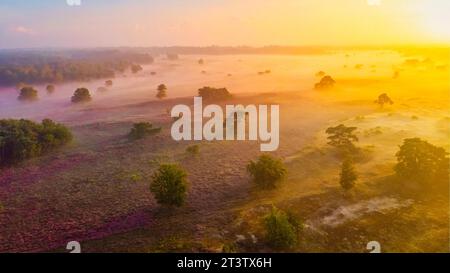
(50, 88)
(135, 68)
(24, 139)
(169, 185)
(193, 150)
(210, 93)
(28, 93)
(109, 83)
(421, 161)
(267, 171)
(141, 130)
(81, 95)
(280, 232)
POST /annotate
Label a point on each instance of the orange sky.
(224, 22)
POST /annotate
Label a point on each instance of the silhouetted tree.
(28, 93)
(325, 83)
(348, 175)
(81, 95)
(162, 91)
(342, 137)
(384, 99)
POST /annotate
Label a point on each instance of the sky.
(100, 23)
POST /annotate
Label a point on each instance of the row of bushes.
(24, 139)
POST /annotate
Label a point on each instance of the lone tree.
(280, 231)
(419, 160)
(141, 130)
(383, 99)
(50, 88)
(28, 93)
(267, 171)
(169, 185)
(342, 137)
(81, 95)
(162, 91)
(326, 82)
(348, 175)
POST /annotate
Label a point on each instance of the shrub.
(24, 139)
(193, 150)
(210, 93)
(81, 95)
(50, 88)
(141, 130)
(28, 93)
(280, 232)
(135, 68)
(267, 171)
(169, 185)
(419, 160)
(348, 175)
(108, 83)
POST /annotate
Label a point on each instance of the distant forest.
(53, 66)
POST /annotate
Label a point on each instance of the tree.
(421, 161)
(342, 137)
(50, 88)
(162, 91)
(383, 99)
(348, 175)
(280, 232)
(28, 93)
(169, 185)
(201, 61)
(267, 171)
(81, 95)
(24, 139)
(326, 82)
(141, 130)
